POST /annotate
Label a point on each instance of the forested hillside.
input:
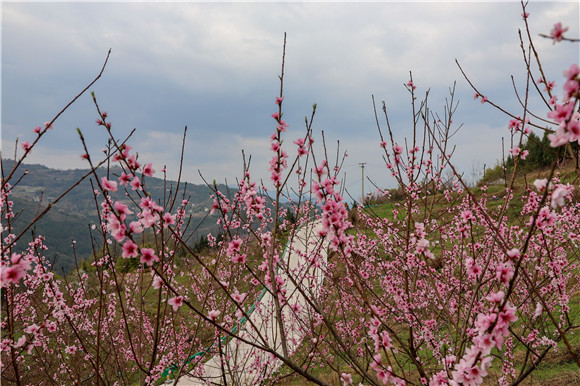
(72, 217)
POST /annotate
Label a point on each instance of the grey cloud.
(214, 68)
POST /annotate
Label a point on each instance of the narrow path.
(305, 259)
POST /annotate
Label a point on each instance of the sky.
(214, 67)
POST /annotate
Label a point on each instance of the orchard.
(435, 282)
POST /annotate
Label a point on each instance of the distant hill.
(71, 218)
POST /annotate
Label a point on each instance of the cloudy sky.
(214, 68)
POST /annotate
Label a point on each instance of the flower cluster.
(565, 114)
(14, 269)
(492, 329)
(279, 161)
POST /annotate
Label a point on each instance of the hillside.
(71, 218)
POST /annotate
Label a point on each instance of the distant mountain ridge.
(71, 218)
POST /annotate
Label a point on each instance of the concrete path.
(244, 364)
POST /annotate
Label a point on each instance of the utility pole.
(362, 168)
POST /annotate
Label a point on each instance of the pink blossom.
(132, 162)
(397, 149)
(296, 307)
(571, 88)
(116, 228)
(275, 146)
(213, 314)
(21, 342)
(485, 343)
(346, 379)
(136, 183)
(513, 253)
(281, 127)
(130, 249)
(70, 350)
(122, 209)
(496, 297)
(149, 218)
(572, 72)
(136, 227)
(545, 218)
(51, 327)
(302, 151)
(234, 245)
(524, 154)
(14, 272)
(450, 360)
(276, 178)
(32, 329)
(562, 112)
(467, 215)
(239, 258)
(125, 149)
(111, 186)
(238, 297)
(376, 362)
(320, 170)
(559, 138)
(515, 124)
(474, 270)
(279, 100)
(539, 310)
(439, 379)
(465, 373)
(483, 99)
(508, 315)
(557, 32)
(148, 170)
(147, 202)
(175, 302)
(26, 145)
(515, 151)
(559, 195)
(148, 256)
(157, 282)
(37, 129)
(540, 184)
(168, 219)
(386, 340)
(573, 129)
(299, 142)
(504, 272)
